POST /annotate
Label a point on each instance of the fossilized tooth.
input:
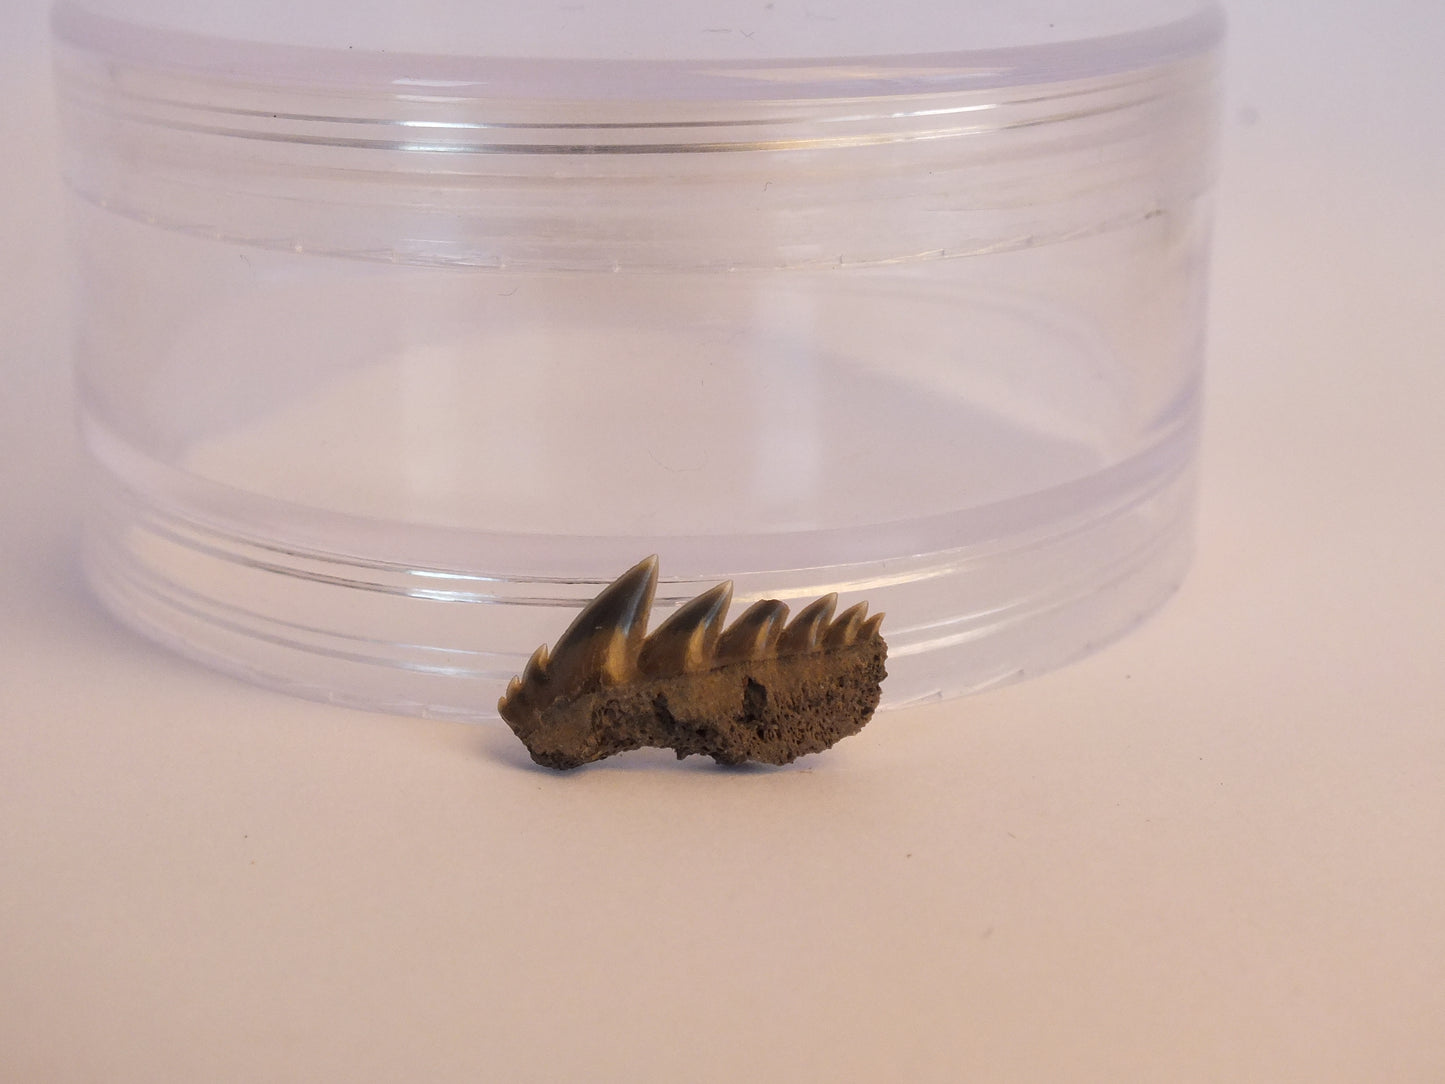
(755, 634)
(806, 631)
(601, 645)
(844, 629)
(757, 690)
(687, 641)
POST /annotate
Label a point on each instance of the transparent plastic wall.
(390, 355)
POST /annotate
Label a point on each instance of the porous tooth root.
(844, 630)
(870, 628)
(807, 628)
(755, 634)
(687, 641)
(601, 645)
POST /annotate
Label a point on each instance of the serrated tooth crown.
(807, 628)
(755, 634)
(601, 645)
(607, 643)
(687, 641)
(844, 630)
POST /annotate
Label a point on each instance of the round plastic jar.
(400, 334)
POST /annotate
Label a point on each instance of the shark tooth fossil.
(761, 689)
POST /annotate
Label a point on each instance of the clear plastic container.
(398, 338)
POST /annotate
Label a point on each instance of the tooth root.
(687, 640)
(601, 645)
(870, 628)
(755, 634)
(844, 630)
(807, 628)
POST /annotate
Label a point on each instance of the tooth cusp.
(601, 646)
(509, 698)
(755, 634)
(806, 631)
(687, 641)
(844, 630)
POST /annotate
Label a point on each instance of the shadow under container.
(389, 360)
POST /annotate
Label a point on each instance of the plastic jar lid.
(942, 265)
(766, 42)
(254, 131)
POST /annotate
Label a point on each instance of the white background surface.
(1215, 851)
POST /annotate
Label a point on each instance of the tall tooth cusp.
(601, 646)
(760, 689)
(687, 641)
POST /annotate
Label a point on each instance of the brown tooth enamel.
(601, 645)
(807, 628)
(870, 628)
(755, 634)
(844, 630)
(687, 640)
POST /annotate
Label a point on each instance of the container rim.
(470, 78)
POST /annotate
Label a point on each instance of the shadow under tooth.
(870, 627)
(803, 634)
(600, 646)
(687, 641)
(754, 635)
(844, 630)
